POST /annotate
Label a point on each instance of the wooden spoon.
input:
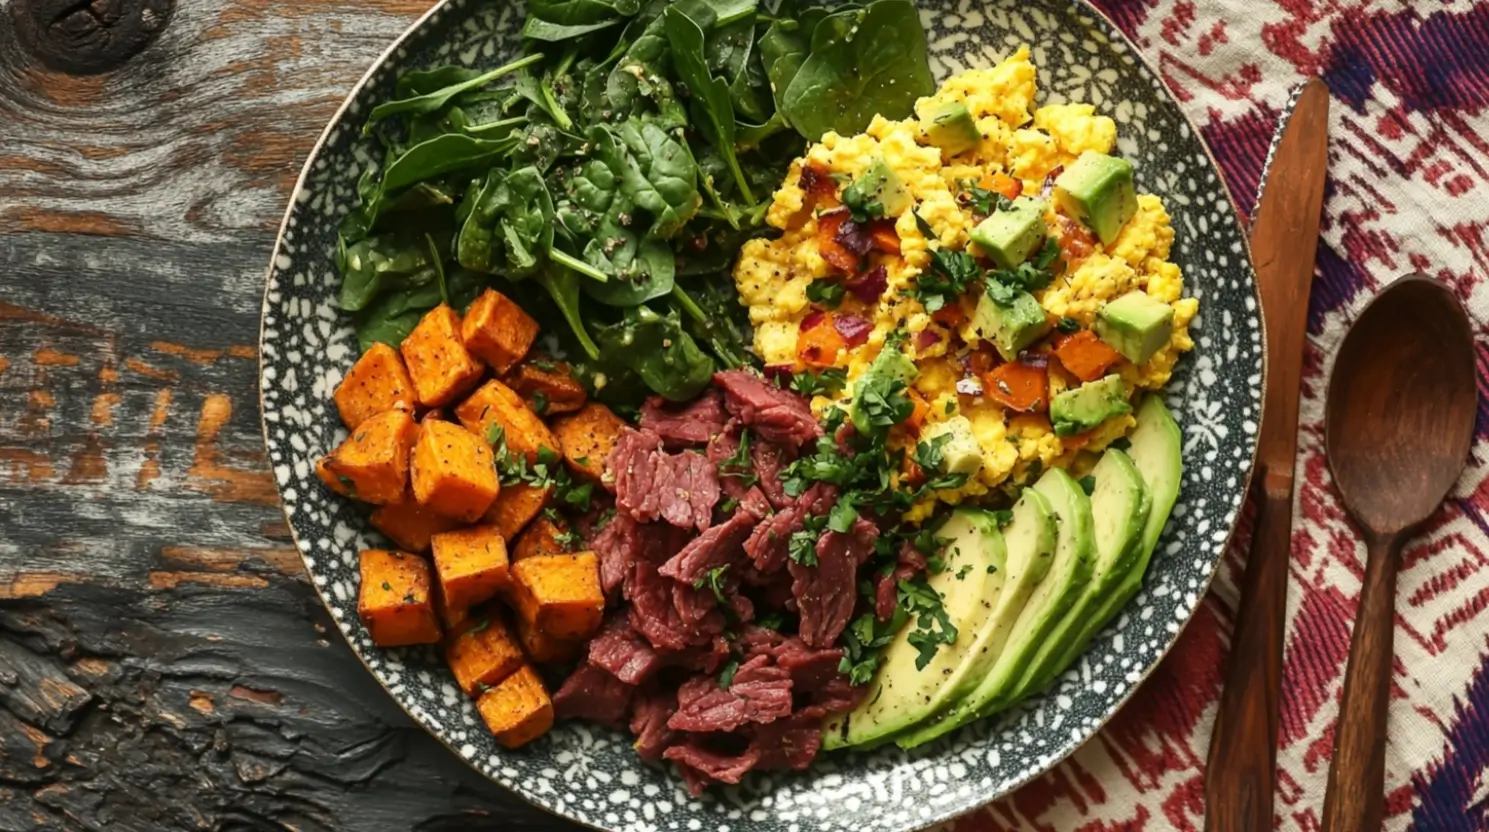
(1400, 417)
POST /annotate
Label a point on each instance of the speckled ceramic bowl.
(592, 775)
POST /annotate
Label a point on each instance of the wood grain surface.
(164, 664)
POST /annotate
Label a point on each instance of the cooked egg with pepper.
(1003, 249)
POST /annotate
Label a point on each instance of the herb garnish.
(829, 293)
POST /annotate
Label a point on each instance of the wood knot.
(88, 37)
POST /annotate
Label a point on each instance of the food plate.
(591, 775)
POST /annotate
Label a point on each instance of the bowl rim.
(1247, 480)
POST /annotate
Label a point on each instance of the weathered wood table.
(164, 664)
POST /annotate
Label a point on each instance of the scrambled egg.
(1019, 141)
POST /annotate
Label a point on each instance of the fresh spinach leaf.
(562, 285)
(715, 317)
(657, 348)
(382, 263)
(863, 62)
(435, 99)
(439, 156)
(732, 11)
(713, 111)
(536, 28)
(655, 171)
(581, 12)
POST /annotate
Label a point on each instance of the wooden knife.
(1284, 238)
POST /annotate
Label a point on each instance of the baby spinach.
(435, 99)
(545, 30)
(656, 347)
(640, 270)
(656, 172)
(712, 108)
(439, 156)
(862, 62)
(382, 263)
(581, 12)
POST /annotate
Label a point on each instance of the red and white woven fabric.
(1408, 191)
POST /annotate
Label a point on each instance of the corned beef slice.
(694, 490)
(825, 593)
(721, 545)
(591, 693)
(721, 449)
(910, 562)
(775, 415)
(653, 613)
(811, 669)
(759, 693)
(699, 766)
(698, 612)
(650, 483)
(767, 545)
(687, 425)
(654, 706)
(623, 541)
(634, 466)
(768, 459)
(839, 695)
(618, 649)
(818, 499)
(789, 743)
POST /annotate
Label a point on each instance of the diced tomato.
(1002, 183)
(830, 247)
(951, 316)
(883, 236)
(1085, 356)
(818, 343)
(1018, 386)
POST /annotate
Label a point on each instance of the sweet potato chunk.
(515, 507)
(497, 331)
(497, 405)
(545, 648)
(559, 594)
(410, 525)
(547, 386)
(438, 362)
(393, 601)
(378, 382)
(471, 564)
(452, 619)
(587, 437)
(452, 472)
(548, 534)
(517, 710)
(483, 655)
(372, 464)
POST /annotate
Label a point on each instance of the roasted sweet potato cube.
(547, 534)
(497, 405)
(483, 655)
(517, 710)
(410, 525)
(394, 599)
(559, 594)
(452, 619)
(452, 472)
(372, 464)
(587, 437)
(515, 507)
(378, 382)
(544, 648)
(471, 564)
(497, 331)
(547, 386)
(438, 362)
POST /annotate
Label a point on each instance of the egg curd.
(1020, 149)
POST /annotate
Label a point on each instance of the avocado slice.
(902, 694)
(1156, 450)
(1031, 540)
(1010, 328)
(1097, 189)
(1136, 325)
(879, 191)
(1052, 598)
(952, 128)
(1120, 504)
(1082, 408)
(1010, 236)
(960, 454)
(889, 366)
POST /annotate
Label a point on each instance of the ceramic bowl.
(591, 775)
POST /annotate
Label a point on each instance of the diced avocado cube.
(1010, 327)
(1136, 325)
(960, 453)
(1011, 236)
(952, 128)
(1097, 190)
(889, 366)
(1082, 408)
(878, 191)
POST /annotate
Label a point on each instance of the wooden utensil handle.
(1356, 792)
(1243, 751)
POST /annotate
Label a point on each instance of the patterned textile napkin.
(1408, 191)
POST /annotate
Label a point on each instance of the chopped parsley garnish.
(545, 366)
(933, 626)
(1068, 325)
(829, 382)
(863, 643)
(772, 620)
(802, 545)
(1121, 443)
(829, 293)
(925, 227)
(726, 674)
(539, 402)
(548, 471)
(1003, 517)
(1034, 273)
(1088, 484)
(964, 571)
(951, 275)
(349, 484)
(737, 466)
(714, 580)
(862, 199)
(982, 200)
(729, 505)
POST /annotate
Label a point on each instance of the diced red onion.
(1049, 181)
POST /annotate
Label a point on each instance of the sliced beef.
(768, 459)
(909, 563)
(653, 613)
(720, 545)
(688, 490)
(721, 451)
(791, 743)
(768, 543)
(592, 693)
(653, 707)
(701, 767)
(618, 544)
(635, 464)
(686, 425)
(758, 641)
(838, 694)
(759, 693)
(776, 415)
(708, 658)
(826, 592)
(623, 652)
(812, 669)
(818, 499)
(698, 612)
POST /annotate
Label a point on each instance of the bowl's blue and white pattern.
(592, 775)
